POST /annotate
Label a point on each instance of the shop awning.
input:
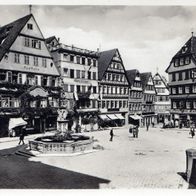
(16, 122)
(135, 117)
(104, 117)
(119, 116)
(112, 116)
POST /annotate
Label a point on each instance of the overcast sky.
(146, 36)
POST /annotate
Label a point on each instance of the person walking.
(111, 135)
(22, 135)
(192, 130)
(147, 126)
(137, 131)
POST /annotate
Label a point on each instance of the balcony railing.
(75, 49)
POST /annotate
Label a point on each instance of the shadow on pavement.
(18, 172)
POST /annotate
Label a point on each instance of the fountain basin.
(76, 144)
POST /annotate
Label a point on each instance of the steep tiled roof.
(188, 49)
(9, 33)
(144, 78)
(104, 60)
(157, 76)
(49, 39)
(131, 74)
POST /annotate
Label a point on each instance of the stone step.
(24, 153)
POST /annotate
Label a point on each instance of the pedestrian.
(137, 131)
(192, 130)
(22, 135)
(134, 131)
(147, 126)
(111, 135)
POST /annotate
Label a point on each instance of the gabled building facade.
(135, 96)
(113, 88)
(79, 73)
(149, 94)
(28, 77)
(162, 101)
(182, 85)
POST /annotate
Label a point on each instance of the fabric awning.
(104, 117)
(112, 116)
(119, 116)
(16, 122)
(135, 117)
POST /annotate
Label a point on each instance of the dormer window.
(29, 26)
(176, 63)
(184, 49)
(187, 60)
(181, 61)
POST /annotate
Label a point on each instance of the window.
(29, 26)
(109, 77)
(9, 76)
(78, 59)
(66, 87)
(65, 71)
(89, 61)
(71, 88)
(83, 60)
(188, 104)
(44, 80)
(180, 90)
(27, 42)
(194, 89)
(78, 88)
(187, 89)
(173, 77)
(36, 44)
(94, 89)
(187, 60)
(35, 61)
(77, 73)
(94, 76)
(26, 59)
(19, 78)
(83, 89)
(194, 104)
(36, 80)
(103, 104)
(180, 76)
(71, 73)
(112, 104)
(120, 104)
(2, 75)
(72, 58)
(44, 62)
(176, 63)
(173, 91)
(83, 74)
(17, 58)
(187, 75)
(89, 75)
(181, 61)
(5, 102)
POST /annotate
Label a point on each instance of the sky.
(147, 36)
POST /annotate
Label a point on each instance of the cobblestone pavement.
(154, 160)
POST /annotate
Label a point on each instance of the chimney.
(58, 39)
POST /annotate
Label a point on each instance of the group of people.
(134, 130)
